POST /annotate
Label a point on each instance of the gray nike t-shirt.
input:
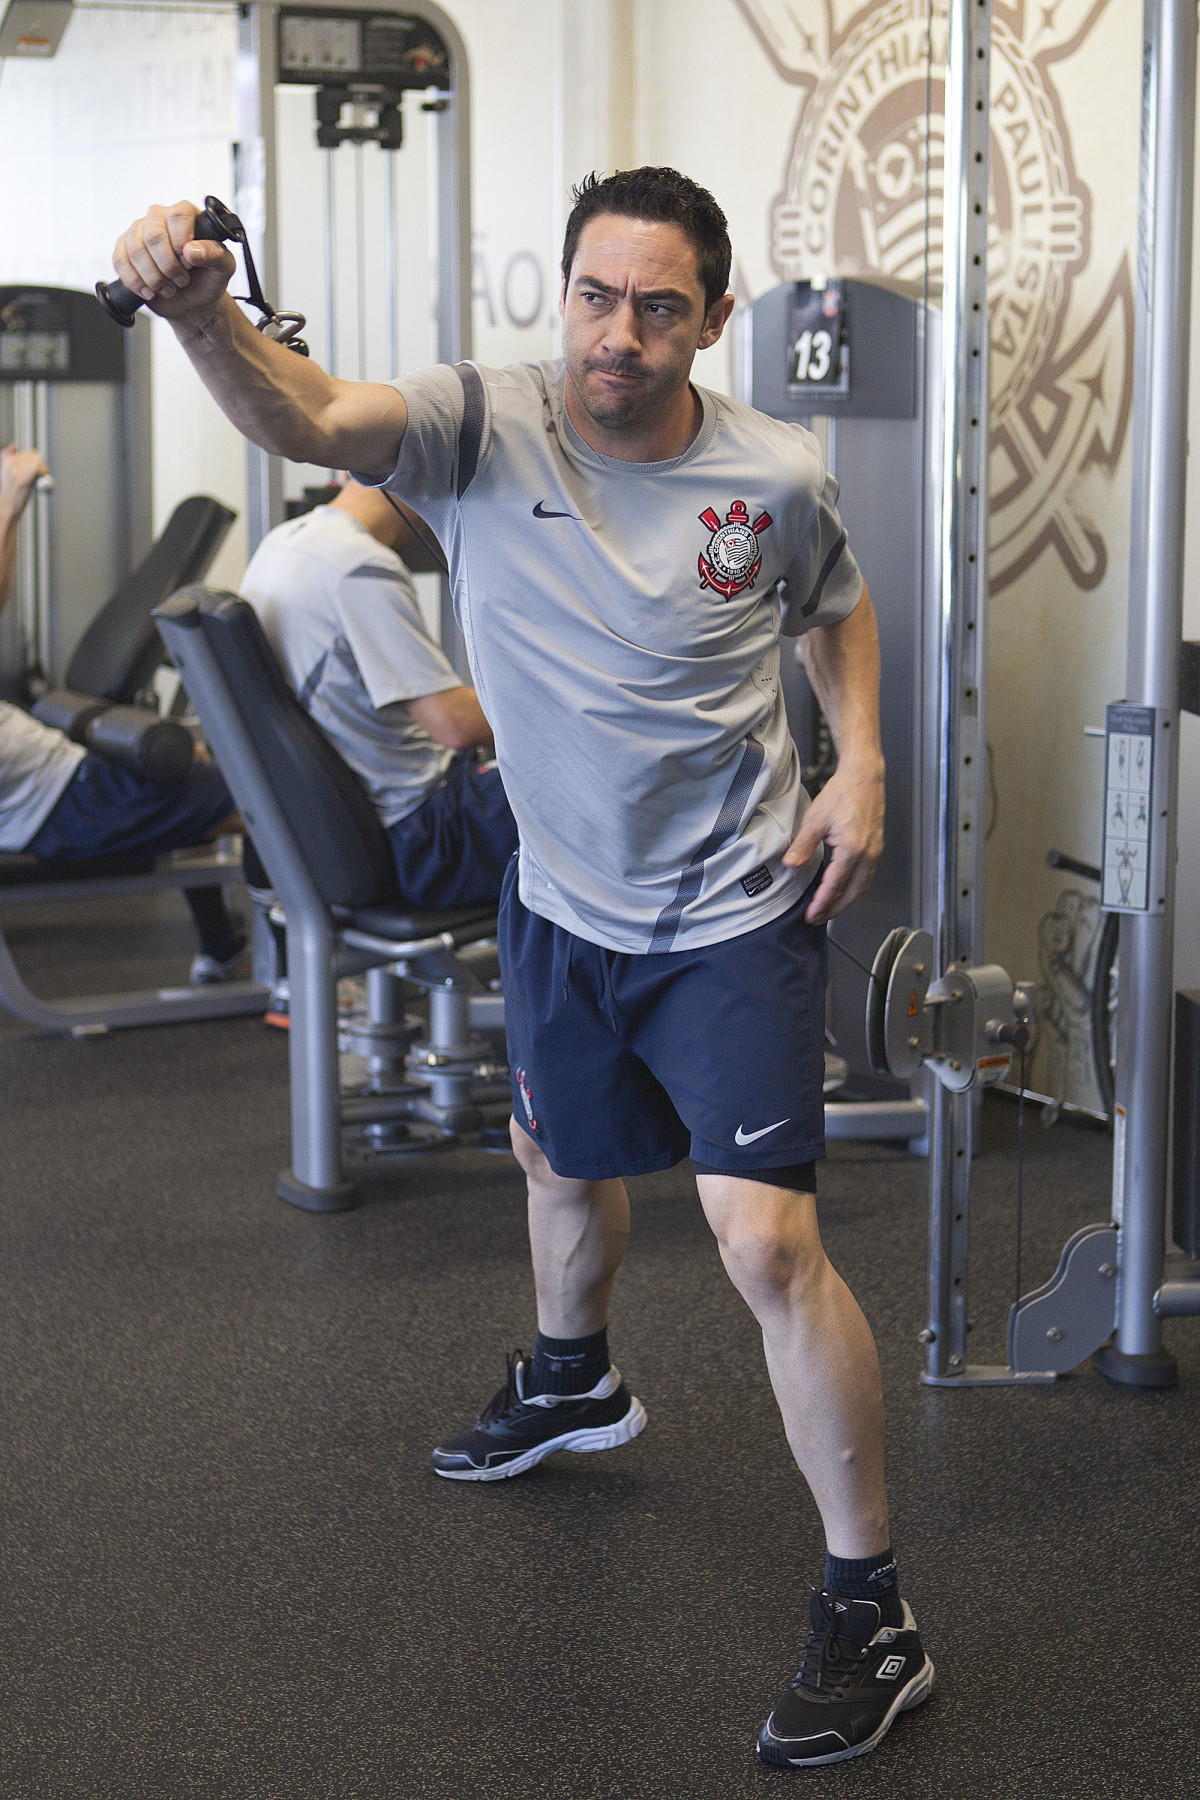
(36, 767)
(342, 615)
(622, 622)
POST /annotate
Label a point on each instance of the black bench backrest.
(118, 653)
(328, 810)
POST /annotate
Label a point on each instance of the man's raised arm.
(279, 400)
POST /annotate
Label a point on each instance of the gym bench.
(28, 880)
(333, 886)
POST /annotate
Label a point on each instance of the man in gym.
(342, 616)
(66, 804)
(623, 547)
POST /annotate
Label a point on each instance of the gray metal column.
(329, 219)
(1163, 310)
(454, 323)
(257, 208)
(961, 628)
(453, 196)
(31, 581)
(315, 1180)
(48, 646)
(391, 302)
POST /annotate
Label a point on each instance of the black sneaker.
(513, 1433)
(855, 1678)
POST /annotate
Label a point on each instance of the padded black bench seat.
(409, 925)
(118, 653)
(19, 869)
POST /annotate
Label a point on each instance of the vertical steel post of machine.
(957, 905)
(258, 69)
(1136, 1357)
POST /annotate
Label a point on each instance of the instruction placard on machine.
(818, 355)
(1128, 808)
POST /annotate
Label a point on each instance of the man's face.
(633, 317)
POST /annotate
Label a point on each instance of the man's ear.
(562, 292)
(715, 321)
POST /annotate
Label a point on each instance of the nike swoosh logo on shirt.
(748, 1137)
(541, 512)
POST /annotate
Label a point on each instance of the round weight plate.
(907, 1026)
(877, 988)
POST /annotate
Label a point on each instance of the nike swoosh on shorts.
(748, 1137)
(540, 512)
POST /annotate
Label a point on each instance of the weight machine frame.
(1136, 1357)
(257, 203)
(92, 1015)
(954, 883)
(1112, 1276)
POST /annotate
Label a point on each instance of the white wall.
(138, 104)
(514, 51)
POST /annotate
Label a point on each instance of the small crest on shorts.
(526, 1098)
(732, 559)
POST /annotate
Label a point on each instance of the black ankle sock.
(568, 1365)
(866, 1578)
(219, 936)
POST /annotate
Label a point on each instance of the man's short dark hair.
(665, 197)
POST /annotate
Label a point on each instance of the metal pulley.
(964, 1026)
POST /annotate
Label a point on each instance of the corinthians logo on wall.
(869, 140)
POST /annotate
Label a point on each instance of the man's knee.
(769, 1238)
(530, 1155)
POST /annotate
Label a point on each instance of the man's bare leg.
(567, 1396)
(820, 1352)
(864, 1662)
(578, 1233)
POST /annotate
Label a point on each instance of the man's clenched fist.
(177, 274)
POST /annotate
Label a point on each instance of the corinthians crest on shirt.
(732, 558)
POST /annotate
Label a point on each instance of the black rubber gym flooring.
(228, 1571)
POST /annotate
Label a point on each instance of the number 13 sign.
(816, 335)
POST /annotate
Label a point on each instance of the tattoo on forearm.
(204, 332)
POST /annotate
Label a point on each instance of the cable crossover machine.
(897, 390)
(386, 76)
(932, 1004)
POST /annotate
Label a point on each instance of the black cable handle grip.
(216, 222)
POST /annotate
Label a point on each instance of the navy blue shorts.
(623, 1064)
(453, 850)
(105, 810)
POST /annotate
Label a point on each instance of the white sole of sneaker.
(601, 1437)
(910, 1695)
